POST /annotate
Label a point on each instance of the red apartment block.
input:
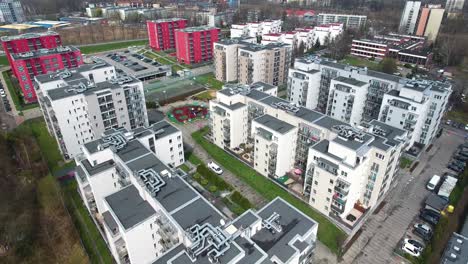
(195, 44)
(161, 32)
(33, 54)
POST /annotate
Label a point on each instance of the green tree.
(388, 65)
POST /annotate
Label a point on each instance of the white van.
(431, 185)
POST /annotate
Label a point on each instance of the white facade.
(454, 6)
(150, 214)
(326, 33)
(409, 17)
(225, 58)
(302, 84)
(255, 29)
(349, 21)
(80, 104)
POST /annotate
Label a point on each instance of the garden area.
(89, 49)
(15, 93)
(209, 80)
(188, 113)
(328, 233)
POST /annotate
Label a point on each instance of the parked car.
(214, 167)
(418, 245)
(448, 122)
(423, 230)
(455, 167)
(430, 216)
(433, 182)
(410, 249)
(2, 93)
(460, 158)
(458, 163)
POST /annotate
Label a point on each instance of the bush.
(204, 182)
(212, 189)
(241, 200)
(197, 176)
(213, 178)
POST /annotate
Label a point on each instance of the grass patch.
(459, 116)
(90, 236)
(405, 162)
(184, 167)
(4, 60)
(360, 62)
(328, 233)
(176, 68)
(233, 207)
(15, 93)
(210, 80)
(112, 46)
(192, 158)
(205, 96)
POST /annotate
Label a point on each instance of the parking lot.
(382, 234)
(5, 104)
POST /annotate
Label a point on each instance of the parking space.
(5, 104)
(135, 65)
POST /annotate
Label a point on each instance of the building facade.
(32, 54)
(225, 57)
(161, 33)
(11, 11)
(454, 7)
(409, 17)
(429, 21)
(256, 29)
(195, 44)
(349, 21)
(286, 138)
(151, 214)
(79, 105)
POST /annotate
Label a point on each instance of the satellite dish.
(222, 222)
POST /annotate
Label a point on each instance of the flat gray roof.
(197, 212)
(93, 170)
(350, 81)
(232, 106)
(128, 206)
(257, 95)
(75, 73)
(246, 219)
(328, 122)
(450, 255)
(274, 124)
(163, 128)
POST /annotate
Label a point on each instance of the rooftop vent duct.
(207, 239)
(272, 223)
(349, 133)
(286, 107)
(115, 140)
(152, 180)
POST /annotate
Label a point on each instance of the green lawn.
(210, 80)
(3, 60)
(405, 162)
(328, 233)
(184, 167)
(14, 93)
(459, 116)
(356, 61)
(205, 96)
(92, 240)
(193, 158)
(111, 46)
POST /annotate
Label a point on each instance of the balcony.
(337, 209)
(343, 190)
(122, 252)
(341, 201)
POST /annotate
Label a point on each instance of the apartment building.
(365, 95)
(226, 118)
(454, 7)
(429, 21)
(256, 29)
(79, 105)
(417, 107)
(37, 53)
(349, 21)
(161, 32)
(195, 44)
(286, 138)
(264, 63)
(314, 92)
(151, 214)
(409, 17)
(225, 57)
(354, 168)
(11, 11)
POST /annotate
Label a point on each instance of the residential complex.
(248, 63)
(285, 138)
(195, 44)
(161, 33)
(349, 21)
(79, 105)
(151, 214)
(404, 48)
(11, 11)
(409, 17)
(454, 7)
(38, 53)
(355, 95)
(421, 20)
(256, 29)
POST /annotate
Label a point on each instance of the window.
(331, 181)
(316, 182)
(329, 190)
(328, 199)
(170, 141)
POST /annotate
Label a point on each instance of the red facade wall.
(196, 46)
(161, 33)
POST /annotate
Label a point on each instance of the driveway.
(382, 231)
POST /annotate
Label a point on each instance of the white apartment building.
(409, 17)
(275, 145)
(80, 104)
(150, 214)
(285, 137)
(255, 29)
(346, 99)
(225, 118)
(353, 168)
(349, 21)
(368, 96)
(326, 33)
(418, 108)
(454, 7)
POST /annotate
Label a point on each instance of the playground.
(188, 113)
